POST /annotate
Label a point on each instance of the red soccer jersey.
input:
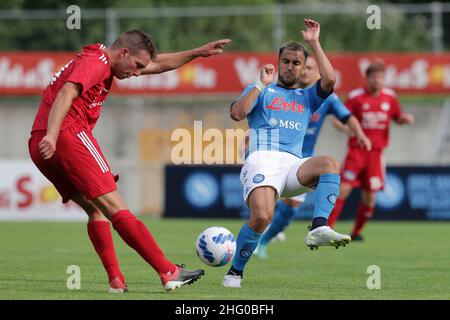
(90, 69)
(374, 114)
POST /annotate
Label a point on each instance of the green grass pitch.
(413, 257)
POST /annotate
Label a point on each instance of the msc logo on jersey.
(279, 104)
(290, 124)
(287, 124)
(273, 122)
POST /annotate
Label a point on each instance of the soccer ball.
(215, 246)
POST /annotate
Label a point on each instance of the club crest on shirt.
(385, 106)
(258, 178)
(299, 92)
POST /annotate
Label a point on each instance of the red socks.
(137, 236)
(336, 212)
(363, 214)
(100, 234)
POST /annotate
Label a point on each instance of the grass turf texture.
(413, 257)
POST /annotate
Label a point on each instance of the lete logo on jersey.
(280, 104)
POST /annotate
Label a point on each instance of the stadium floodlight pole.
(111, 25)
(437, 29)
(278, 26)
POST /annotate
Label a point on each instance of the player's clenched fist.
(267, 75)
(47, 146)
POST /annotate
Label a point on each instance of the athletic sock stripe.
(95, 151)
(92, 152)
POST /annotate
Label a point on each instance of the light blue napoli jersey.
(332, 105)
(279, 117)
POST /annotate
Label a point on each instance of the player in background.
(278, 115)
(374, 106)
(64, 149)
(286, 208)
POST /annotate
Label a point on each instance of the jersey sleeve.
(338, 109)
(395, 108)
(316, 95)
(246, 91)
(350, 105)
(88, 72)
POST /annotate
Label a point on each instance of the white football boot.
(325, 236)
(280, 236)
(231, 281)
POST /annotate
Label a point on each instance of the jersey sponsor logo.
(289, 124)
(95, 104)
(374, 116)
(258, 178)
(279, 104)
(273, 122)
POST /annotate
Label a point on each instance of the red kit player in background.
(374, 106)
(65, 151)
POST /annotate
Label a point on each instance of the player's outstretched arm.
(169, 61)
(341, 126)
(242, 106)
(63, 101)
(355, 130)
(311, 36)
(405, 118)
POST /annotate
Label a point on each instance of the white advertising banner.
(25, 194)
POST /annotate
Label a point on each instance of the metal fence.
(429, 22)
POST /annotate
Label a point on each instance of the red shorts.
(78, 165)
(364, 169)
